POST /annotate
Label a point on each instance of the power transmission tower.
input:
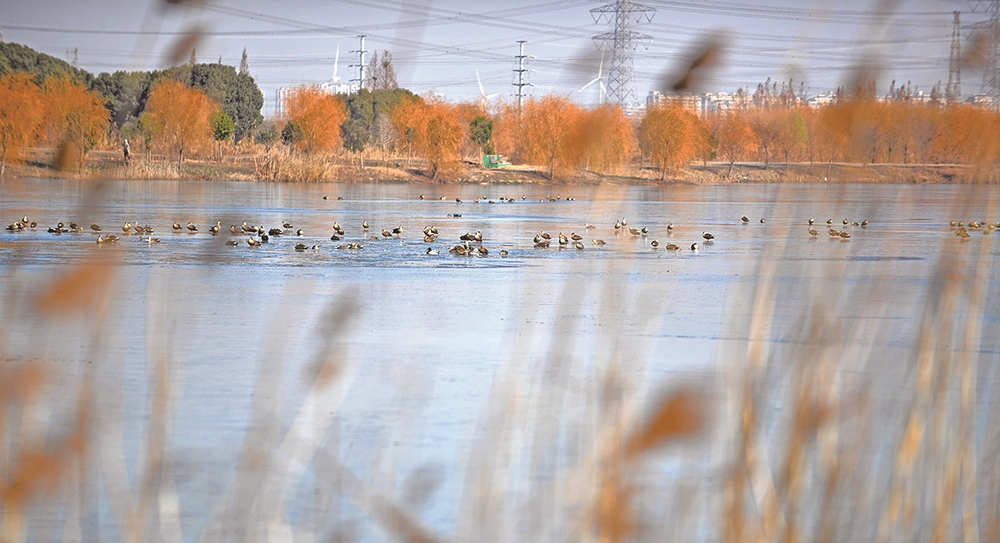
(519, 72)
(623, 40)
(361, 63)
(954, 91)
(991, 71)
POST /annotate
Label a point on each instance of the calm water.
(430, 336)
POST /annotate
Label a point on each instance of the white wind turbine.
(602, 90)
(482, 92)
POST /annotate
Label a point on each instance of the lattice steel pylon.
(623, 41)
(991, 70)
(953, 93)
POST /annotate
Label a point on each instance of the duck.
(633, 231)
(192, 228)
(833, 233)
(864, 223)
(829, 221)
(398, 230)
(745, 219)
(813, 232)
(655, 243)
(673, 247)
(433, 252)
(598, 242)
(264, 238)
(962, 233)
(694, 247)
(215, 229)
(846, 222)
(95, 227)
(952, 224)
(150, 240)
(287, 226)
(762, 220)
(232, 229)
(482, 251)
(644, 230)
(503, 252)
(335, 237)
(542, 243)
(707, 236)
(386, 233)
(670, 227)
(618, 224)
(232, 242)
(428, 238)
(127, 228)
(588, 226)
(251, 241)
(811, 220)
(299, 232)
(563, 240)
(100, 240)
(844, 234)
(177, 227)
(301, 246)
(365, 225)
(111, 238)
(575, 237)
(578, 245)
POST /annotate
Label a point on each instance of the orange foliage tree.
(21, 115)
(182, 115)
(673, 136)
(735, 136)
(507, 129)
(74, 114)
(433, 128)
(549, 132)
(318, 117)
(607, 138)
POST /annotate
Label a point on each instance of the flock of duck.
(470, 244)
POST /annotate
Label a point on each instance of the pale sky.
(439, 44)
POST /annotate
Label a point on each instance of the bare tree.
(380, 73)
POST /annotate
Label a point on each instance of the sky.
(439, 45)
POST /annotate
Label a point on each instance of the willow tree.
(673, 136)
(318, 118)
(21, 114)
(183, 116)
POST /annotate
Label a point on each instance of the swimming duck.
(301, 247)
(433, 252)
(503, 252)
(232, 242)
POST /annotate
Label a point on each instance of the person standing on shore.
(125, 149)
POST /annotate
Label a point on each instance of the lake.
(365, 393)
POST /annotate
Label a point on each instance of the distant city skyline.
(439, 45)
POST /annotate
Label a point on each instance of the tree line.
(185, 109)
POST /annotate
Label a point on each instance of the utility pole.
(623, 14)
(520, 71)
(361, 63)
(991, 71)
(954, 91)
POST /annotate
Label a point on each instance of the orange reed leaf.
(80, 290)
(681, 414)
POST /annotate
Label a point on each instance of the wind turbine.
(482, 92)
(602, 90)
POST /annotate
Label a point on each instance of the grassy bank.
(283, 167)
